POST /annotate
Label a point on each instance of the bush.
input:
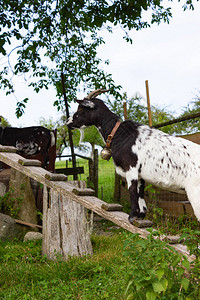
(157, 271)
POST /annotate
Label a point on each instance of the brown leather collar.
(111, 135)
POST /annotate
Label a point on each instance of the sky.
(168, 56)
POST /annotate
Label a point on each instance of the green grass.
(106, 180)
(26, 275)
(106, 176)
(123, 266)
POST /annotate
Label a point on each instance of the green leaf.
(185, 283)
(180, 272)
(139, 285)
(144, 4)
(186, 264)
(130, 297)
(164, 283)
(158, 287)
(160, 273)
(2, 50)
(151, 295)
(142, 243)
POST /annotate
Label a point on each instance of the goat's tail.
(53, 140)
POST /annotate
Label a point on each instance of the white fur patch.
(132, 174)
(142, 205)
(88, 103)
(29, 148)
(120, 172)
(82, 133)
(53, 140)
(69, 120)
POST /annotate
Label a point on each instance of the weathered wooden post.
(65, 227)
(96, 177)
(93, 171)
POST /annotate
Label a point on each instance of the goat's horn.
(96, 93)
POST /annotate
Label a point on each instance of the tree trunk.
(65, 227)
(75, 176)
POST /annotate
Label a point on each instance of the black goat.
(143, 153)
(29, 141)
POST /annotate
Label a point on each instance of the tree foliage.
(4, 122)
(42, 38)
(137, 111)
(193, 125)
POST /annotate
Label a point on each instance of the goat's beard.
(81, 134)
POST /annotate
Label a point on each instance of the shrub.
(156, 270)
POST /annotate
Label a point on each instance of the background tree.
(137, 111)
(56, 36)
(4, 122)
(190, 126)
(92, 136)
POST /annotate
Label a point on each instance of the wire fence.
(106, 180)
(106, 175)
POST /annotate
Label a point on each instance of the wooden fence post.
(96, 160)
(65, 227)
(148, 102)
(93, 171)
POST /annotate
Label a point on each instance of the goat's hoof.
(132, 219)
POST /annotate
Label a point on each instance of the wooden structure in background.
(148, 102)
(125, 110)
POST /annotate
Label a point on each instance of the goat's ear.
(86, 103)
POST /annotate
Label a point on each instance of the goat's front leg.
(141, 201)
(133, 192)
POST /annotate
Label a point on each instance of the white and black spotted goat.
(29, 141)
(141, 153)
